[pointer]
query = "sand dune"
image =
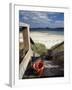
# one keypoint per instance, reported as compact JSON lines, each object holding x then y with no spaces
{"x":46,"y":38}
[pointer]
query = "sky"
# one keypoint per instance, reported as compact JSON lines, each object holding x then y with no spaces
{"x":42,"y":19}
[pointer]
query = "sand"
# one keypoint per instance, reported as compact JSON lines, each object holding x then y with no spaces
{"x":45,"y":38}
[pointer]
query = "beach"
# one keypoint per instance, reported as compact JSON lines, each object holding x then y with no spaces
{"x":47,"y":38}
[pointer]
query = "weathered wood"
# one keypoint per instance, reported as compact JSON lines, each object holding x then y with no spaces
{"x":27,"y":53}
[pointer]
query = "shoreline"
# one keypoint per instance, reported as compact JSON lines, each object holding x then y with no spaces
{"x":46,"y":38}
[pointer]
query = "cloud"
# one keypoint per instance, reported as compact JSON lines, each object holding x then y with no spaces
{"x":25,"y":18}
{"x":59,"y":23}
{"x":41,"y":19}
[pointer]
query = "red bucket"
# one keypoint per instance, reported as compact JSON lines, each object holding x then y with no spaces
{"x":38,"y":66}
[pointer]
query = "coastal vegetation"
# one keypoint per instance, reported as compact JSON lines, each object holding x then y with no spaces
{"x":39,"y":48}
{"x":55,"y":53}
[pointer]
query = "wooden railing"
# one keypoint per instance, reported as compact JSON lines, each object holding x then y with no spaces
{"x":24,"y":63}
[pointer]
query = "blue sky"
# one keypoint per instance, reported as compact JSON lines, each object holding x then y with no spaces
{"x":43,"y":19}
